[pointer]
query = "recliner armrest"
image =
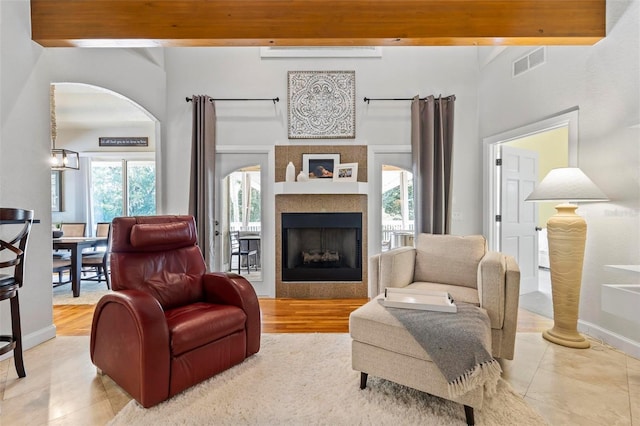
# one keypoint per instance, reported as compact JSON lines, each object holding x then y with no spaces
{"x":133,"y":344}
{"x":396,"y":267}
{"x":232,"y":289}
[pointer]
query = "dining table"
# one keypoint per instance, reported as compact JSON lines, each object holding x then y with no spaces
{"x":76,"y":245}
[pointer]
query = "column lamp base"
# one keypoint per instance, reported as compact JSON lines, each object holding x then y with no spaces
{"x":569,"y":339}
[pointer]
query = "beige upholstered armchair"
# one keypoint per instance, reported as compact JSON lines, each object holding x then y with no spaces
{"x":462,"y":266}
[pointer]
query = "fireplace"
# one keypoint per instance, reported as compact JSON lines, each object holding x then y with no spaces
{"x":321,"y":246}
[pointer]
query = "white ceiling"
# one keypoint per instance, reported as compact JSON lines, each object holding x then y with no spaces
{"x":85,"y":106}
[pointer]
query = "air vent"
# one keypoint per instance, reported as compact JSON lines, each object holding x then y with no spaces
{"x":529,"y":62}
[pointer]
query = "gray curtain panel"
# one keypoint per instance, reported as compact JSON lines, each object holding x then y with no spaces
{"x":432,"y":156}
{"x":201,"y":187}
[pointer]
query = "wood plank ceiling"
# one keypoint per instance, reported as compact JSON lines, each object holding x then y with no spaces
{"x":137,"y":23}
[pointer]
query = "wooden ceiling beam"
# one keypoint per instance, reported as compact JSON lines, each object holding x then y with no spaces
{"x":171,"y":23}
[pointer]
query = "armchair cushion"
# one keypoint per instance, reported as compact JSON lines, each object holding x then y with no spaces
{"x":171,"y":271}
{"x":162,"y":236}
{"x":197,"y":324}
{"x":449,"y":259}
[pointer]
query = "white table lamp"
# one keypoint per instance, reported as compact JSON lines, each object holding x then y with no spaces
{"x":566,"y":233}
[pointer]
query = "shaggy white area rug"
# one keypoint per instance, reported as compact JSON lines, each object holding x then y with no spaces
{"x":306,"y":379}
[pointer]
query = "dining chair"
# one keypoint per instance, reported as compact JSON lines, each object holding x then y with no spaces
{"x":15,"y":250}
{"x":246,"y":253}
{"x":60,"y":266}
{"x":97,"y":261}
{"x":78,"y":229}
{"x":102,"y":229}
{"x":70,"y":229}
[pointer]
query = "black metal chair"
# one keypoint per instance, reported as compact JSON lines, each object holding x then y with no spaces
{"x":12,"y":255}
{"x":237,"y":249}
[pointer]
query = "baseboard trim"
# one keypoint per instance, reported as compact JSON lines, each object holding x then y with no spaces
{"x":624,"y":344}
{"x":34,"y":339}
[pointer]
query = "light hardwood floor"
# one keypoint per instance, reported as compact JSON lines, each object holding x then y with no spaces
{"x":597,"y":386}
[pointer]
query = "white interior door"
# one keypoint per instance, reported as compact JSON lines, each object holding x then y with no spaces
{"x":519,"y":218}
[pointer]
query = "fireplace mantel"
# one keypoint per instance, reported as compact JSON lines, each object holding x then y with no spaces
{"x":320,"y":187}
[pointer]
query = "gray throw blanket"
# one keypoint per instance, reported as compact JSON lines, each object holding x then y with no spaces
{"x":458,"y":343}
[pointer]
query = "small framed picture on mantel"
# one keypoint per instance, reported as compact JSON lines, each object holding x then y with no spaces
{"x":319,"y":166}
{"x":346,"y":172}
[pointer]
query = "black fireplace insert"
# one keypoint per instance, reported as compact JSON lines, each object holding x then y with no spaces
{"x":321,"y":246}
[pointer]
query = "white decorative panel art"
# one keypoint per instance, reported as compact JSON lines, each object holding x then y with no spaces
{"x":321,"y":104}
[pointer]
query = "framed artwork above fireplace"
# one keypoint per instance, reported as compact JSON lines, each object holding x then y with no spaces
{"x":321,"y":104}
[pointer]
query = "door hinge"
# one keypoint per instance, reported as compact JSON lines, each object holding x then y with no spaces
{"x":498,"y":218}
{"x":498,"y":161}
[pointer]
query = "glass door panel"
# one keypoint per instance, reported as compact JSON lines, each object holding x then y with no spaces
{"x":141,"y":188}
{"x":107,"y":194}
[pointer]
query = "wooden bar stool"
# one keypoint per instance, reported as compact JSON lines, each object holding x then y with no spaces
{"x":12,"y":255}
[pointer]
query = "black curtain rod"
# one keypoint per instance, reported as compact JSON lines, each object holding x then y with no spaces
{"x":367,"y":100}
{"x":274,"y":100}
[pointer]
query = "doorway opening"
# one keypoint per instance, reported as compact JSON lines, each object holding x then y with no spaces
{"x":397,"y":207}
{"x":243,"y":195}
{"x":81,"y":116}
{"x":515,"y":161}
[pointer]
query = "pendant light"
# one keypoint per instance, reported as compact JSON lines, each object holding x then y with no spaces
{"x":61,"y":159}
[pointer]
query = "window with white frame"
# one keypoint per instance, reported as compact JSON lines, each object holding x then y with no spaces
{"x":122,"y":188}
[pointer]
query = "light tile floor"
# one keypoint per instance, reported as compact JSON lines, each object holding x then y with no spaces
{"x":596,"y":386}
{"x":540,"y":301}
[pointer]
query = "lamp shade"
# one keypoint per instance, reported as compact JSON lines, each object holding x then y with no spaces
{"x":566,"y":184}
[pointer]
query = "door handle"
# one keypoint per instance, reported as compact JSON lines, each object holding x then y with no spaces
{"x":538,"y":228}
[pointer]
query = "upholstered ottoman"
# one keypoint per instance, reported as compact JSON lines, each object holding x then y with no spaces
{"x":383,"y":347}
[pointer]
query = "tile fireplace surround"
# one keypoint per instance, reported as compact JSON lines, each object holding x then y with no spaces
{"x":320,"y":203}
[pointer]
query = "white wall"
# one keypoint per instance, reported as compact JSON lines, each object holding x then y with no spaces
{"x":26,"y":71}
{"x":604,"y":82}
{"x":25,"y":177}
{"x":400,"y":72}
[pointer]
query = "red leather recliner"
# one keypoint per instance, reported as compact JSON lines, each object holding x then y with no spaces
{"x":169,"y":324}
